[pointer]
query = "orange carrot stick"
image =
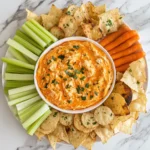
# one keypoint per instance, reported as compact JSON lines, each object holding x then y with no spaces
{"x":111,"y":37}
{"x":123,"y":68}
{"x":121,"y":39}
{"x":129,"y":58}
{"x":125,"y":45}
{"x":127,"y":51}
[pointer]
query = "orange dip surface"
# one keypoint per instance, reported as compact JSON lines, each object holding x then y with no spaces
{"x":74,"y":75}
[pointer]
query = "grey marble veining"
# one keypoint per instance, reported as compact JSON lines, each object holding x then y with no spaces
{"x":12,"y":135}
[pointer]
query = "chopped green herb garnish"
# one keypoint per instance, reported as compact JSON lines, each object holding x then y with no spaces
{"x":69,"y":73}
{"x":138,"y":82}
{"x":48,"y":62}
{"x":82,"y":78}
{"x":130,"y":70}
{"x":65,"y":79}
{"x":77,"y":71}
{"x":120,"y":17}
{"x":91,"y":96}
{"x":83,"y":98}
{"x":82,"y":70}
{"x":88,"y":123}
{"x":109,"y":23}
{"x":68,"y":12}
{"x":94,"y":123}
{"x":69,"y":101}
{"x":55,"y":114}
{"x":76,"y":46}
{"x":79,"y":89}
{"x":60,"y":76}
{"x":75,"y":76}
{"x":54,"y":82}
{"x":96,"y":93}
{"x":54,"y":58}
{"x":70,"y":67}
{"x":87,"y":85}
{"x":72,"y":129}
{"x":61,"y":57}
{"x":67,"y":86}
{"x":48,"y":74}
{"x":46,"y":85}
{"x":108,"y":30}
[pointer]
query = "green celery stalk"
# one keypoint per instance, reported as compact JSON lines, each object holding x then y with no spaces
{"x":36,"y":38}
{"x":18,"y":77}
{"x":43,"y":36}
{"x":17,"y":54}
{"x":21,"y":99}
{"x":22,"y":49}
{"x":6,"y":89}
{"x":35,"y":116}
{"x":27,"y":45}
{"x":14,"y":69}
{"x":18,"y":63}
{"x":14,"y":84}
{"x":37,"y":123}
{"x":54,"y":39}
{"x":27,"y":103}
{"x":21,"y":89}
{"x":28,"y":39}
{"x":23,"y":117}
{"x":21,"y":94}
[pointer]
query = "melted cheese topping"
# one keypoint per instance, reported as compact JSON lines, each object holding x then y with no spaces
{"x":74,"y":75}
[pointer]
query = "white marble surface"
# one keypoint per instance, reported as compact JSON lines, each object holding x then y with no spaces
{"x":12,"y":14}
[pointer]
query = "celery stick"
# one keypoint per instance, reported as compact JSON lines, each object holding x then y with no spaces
{"x":22,"y":49}
{"x":21,"y":89}
{"x":14,"y":84}
{"x":6,"y":90}
{"x":23,"y":117}
{"x":37,"y":123}
{"x":18,"y":63}
{"x":36,"y":38}
{"x":30,"y":61}
{"x":43,"y":36}
{"x":18,"y":77}
{"x":54,"y":39}
{"x":28,"y":39}
{"x":14,"y":96}
{"x":17,"y":54}
{"x":21,"y":99}
{"x":35,"y":116}
{"x":25,"y":110}
{"x":27,"y":103}
{"x":14,"y":69}
{"x":27,"y":45}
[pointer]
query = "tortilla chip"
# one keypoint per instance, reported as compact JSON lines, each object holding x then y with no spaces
{"x":138,"y":70}
{"x":104,"y":133}
{"x":88,"y":143}
{"x":139,"y":105}
{"x":52,"y":140}
{"x":89,"y":121}
{"x":123,"y":90}
{"x":103,"y":115}
{"x":129,"y":80}
{"x":93,"y":135}
{"x":68,"y":24}
{"x":61,"y":133}
{"x":50,"y":124}
{"x":31,"y":15}
{"x":76,"y":137}
{"x":79,"y":32}
{"x":92,"y":32}
{"x":110,"y":21}
{"x":71,"y":10}
{"x":78,"y":124}
{"x":119,"y":75}
{"x":39,"y":134}
{"x":66,"y":119}
{"x":57,"y":32}
{"x":100,"y":9}
{"x":117,"y":104}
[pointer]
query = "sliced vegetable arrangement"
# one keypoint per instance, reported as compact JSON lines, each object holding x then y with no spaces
{"x":26,"y":47}
{"x":120,"y":110}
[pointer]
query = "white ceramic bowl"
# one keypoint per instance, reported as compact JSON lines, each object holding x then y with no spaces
{"x":85,"y":109}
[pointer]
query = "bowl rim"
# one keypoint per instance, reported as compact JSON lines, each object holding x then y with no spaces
{"x":77,"y":38}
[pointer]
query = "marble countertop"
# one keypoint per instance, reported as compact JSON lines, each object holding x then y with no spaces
{"x":12,"y":135}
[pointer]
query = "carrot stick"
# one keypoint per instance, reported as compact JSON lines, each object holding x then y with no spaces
{"x":121,"y":39}
{"x":123,"y":68}
{"x":125,"y":45}
{"x":128,"y":59}
{"x":127,"y":51}
{"x":111,"y":37}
